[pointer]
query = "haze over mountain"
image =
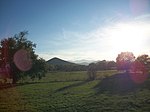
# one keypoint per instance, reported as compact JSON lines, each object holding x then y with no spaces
{"x":84,"y":62}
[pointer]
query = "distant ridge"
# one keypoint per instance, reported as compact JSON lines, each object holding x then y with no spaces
{"x":58,"y":61}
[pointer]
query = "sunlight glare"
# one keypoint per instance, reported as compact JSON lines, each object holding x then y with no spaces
{"x":129,"y":36}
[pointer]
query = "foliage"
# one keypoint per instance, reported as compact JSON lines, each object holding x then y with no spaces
{"x":144,"y":59}
{"x":101,"y":65}
{"x":124,"y":60}
{"x":66,"y":68}
{"x":15,"y":43}
{"x":105,"y":65}
{"x":38,"y":70}
{"x":142,"y":63}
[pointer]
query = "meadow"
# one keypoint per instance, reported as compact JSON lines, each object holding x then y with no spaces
{"x":73,"y":92}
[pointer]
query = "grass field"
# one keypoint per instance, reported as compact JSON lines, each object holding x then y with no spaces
{"x":72,"y":92}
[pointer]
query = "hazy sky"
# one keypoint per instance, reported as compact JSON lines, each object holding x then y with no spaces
{"x":79,"y":29}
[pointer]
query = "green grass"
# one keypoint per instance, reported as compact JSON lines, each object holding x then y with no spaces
{"x":70,"y":92}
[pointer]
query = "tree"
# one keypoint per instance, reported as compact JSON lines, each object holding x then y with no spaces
{"x":92,"y":71}
{"x":124,"y":60}
{"x":101,"y":65}
{"x":143,"y":59}
{"x":14,"y":45}
{"x":111,"y":65}
{"x":142,"y":63}
{"x":39,"y":69}
{"x":105,"y":65}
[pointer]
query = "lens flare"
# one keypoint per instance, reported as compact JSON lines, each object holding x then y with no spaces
{"x":139,"y":7}
{"x":138,"y":78}
{"x":139,"y":73}
{"x":22,"y":60}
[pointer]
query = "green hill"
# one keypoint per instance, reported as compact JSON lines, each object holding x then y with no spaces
{"x":56,"y":64}
{"x":58,"y":61}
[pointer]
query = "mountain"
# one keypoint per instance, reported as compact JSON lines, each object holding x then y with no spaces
{"x":57,"y":64}
{"x":58,"y":61}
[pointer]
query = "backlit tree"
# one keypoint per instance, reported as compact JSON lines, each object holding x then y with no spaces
{"x":124,"y":60}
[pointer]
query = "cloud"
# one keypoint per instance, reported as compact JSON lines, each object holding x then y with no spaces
{"x":99,"y":43}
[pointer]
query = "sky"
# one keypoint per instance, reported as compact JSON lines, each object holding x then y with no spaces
{"x":79,"y":29}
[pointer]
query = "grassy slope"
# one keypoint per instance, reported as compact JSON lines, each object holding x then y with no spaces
{"x":70,"y":92}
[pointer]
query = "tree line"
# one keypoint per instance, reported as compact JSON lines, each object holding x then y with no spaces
{"x":125,"y":61}
{"x":128,"y":62}
{"x":100,"y":65}
{"x":11,"y":45}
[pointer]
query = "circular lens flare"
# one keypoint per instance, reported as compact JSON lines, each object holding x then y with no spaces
{"x":22,"y":60}
{"x":138,"y":78}
{"x":139,"y":73}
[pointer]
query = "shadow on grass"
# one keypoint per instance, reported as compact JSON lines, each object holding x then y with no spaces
{"x":40,"y":82}
{"x":121,"y":83}
{"x":6,"y":86}
{"x":72,"y":85}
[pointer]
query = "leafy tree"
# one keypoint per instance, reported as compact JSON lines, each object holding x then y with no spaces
{"x":39,"y":69}
{"x":124,"y":60}
{"x":92,"y":71}
{"x":111,"y":65}
{"x":16,"y":43}
{"x":143,"y":59}
{"x":142,"y":63}
{"x":101,"y":65}
{"x":105,"y":65}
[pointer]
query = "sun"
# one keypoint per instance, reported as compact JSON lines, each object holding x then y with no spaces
{"x":128,"y":36}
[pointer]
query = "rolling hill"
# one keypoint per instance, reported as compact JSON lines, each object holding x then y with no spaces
{"x":58,"y":61}
{"x":57,"y":64}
